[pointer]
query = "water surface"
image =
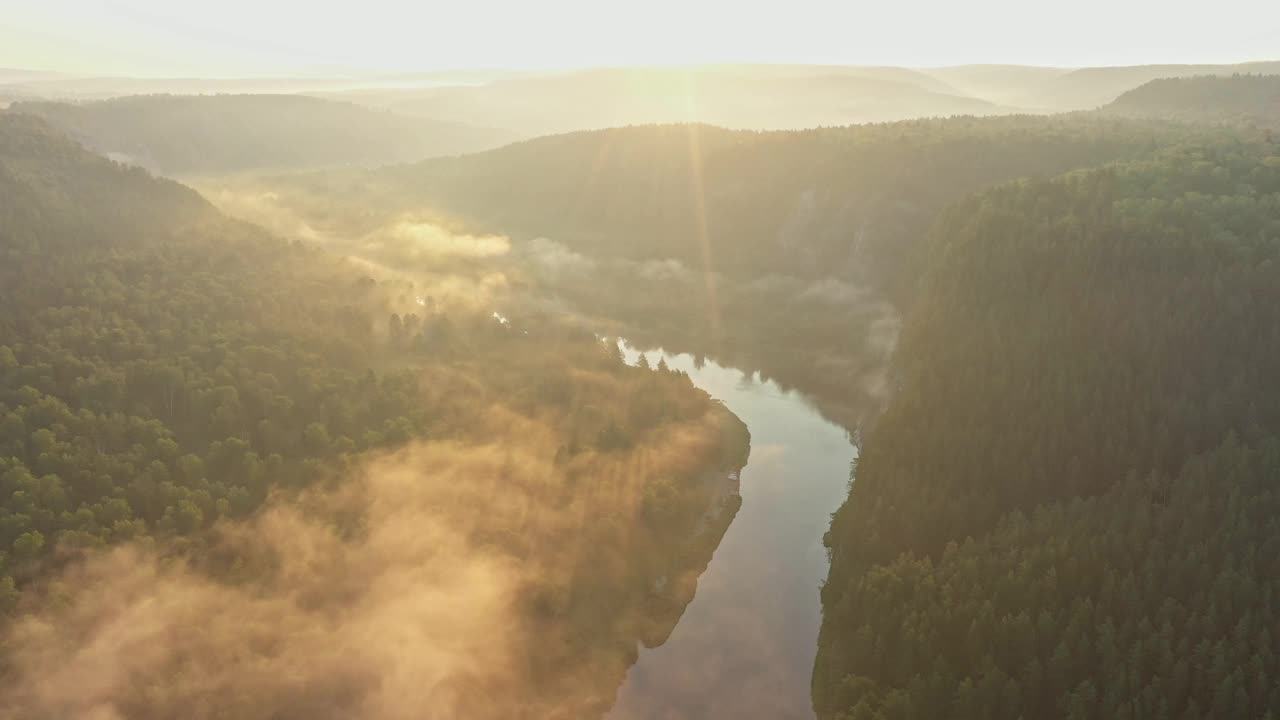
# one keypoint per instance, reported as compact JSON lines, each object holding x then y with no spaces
{"x":745,"y":645}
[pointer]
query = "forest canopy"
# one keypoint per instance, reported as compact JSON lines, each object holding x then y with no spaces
{"x":173,"y":381}
{"x":1068,"y":509}
{"x":791,"y":253}
{"x":1248,"y":99}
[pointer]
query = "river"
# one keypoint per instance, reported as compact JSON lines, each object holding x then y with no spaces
{"x":745,"y":645}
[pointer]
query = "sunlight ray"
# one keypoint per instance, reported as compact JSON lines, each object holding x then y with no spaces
{"x":701,"y":233}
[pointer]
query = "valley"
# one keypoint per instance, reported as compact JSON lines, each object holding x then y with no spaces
{"x":745,"y":645}
{"x":344,"y":402}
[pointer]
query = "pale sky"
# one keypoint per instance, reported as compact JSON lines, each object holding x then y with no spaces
{"x":274,"y":37}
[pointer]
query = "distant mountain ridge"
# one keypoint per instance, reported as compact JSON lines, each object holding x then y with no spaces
{"x":738,"y":96}
{"x":1048,"y":89}
{"x":415,"y":115}
{"x":656,"y":192}
{"x":1088,"y":88}
{"x":734,"y":96}
{"x":64,"y":86}
{"x":232,"y":133}
{"x":774,"y":97}
{"x":1239,"y":99}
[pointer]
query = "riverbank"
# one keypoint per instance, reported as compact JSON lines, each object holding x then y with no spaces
{"x":744,"y":645}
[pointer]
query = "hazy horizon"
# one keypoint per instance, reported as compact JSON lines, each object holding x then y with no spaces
{"x":149,"y":38}
{"x":356,"y":74}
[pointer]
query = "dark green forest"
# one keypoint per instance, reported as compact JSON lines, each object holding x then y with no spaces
{"x":1065,"y":509}
{"x":166,"y":371}
{"x":1030,"y":532}
{"x":1069,"y":508}
{"x":842,"y":200}
{"x":159,"y":369}
{"x":765,"y":250}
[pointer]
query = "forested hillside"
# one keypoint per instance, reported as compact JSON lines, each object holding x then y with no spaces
{"x":194,"y":134}
{"x":1234,"y":100}
{"x":1092,"y":87}
{"x":172,"y":381}
{"x":1069,"y":508}
{"x":773,"y":251}
{"x":158,"y":371}
{"x":810,"y":203}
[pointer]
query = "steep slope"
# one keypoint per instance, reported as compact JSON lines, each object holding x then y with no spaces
{"x":774,"y":251}
{"x":1068,"y":509}
{"x":836,"y":201}
{"x":129,"y":299}
{"x":227,"y":133}
{"x":230,"y":463}
{"x":1234,"y":100}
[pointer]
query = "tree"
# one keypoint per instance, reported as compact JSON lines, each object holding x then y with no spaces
{"x":316,"y":438}
{"x":395,"y":330}
{"x":27,"y":547}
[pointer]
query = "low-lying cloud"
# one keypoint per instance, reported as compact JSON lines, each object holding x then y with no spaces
{"x":436,"y":581}
{"x":406,"y":617}
{"x":555,"y":258}
{"x":423,"y":239}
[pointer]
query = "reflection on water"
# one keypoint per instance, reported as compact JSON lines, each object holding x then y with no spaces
{"x":744,"y":647}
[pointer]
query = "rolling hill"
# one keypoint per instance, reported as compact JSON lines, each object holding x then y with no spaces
{"x":194,"y":134}
{"x":770,"y":248}
{"x":1088,"y":88}
{"x":1012,"y":85}
{"x":735,"y":96}
{"x":1239,"y":99}
{"x":1046,"y":89}
{"x":813,"y":202}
